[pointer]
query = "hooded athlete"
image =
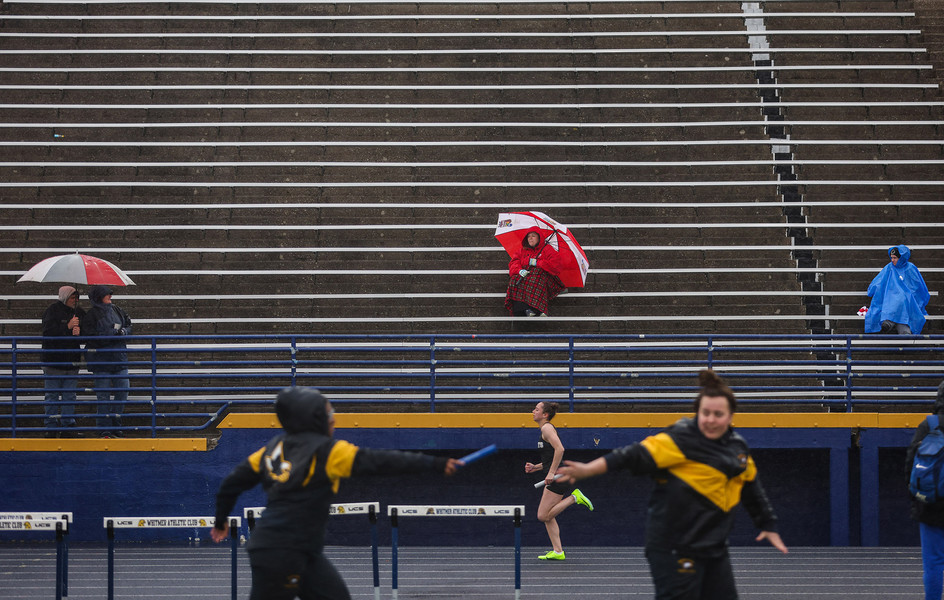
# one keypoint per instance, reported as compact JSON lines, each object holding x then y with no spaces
{"x":300,"y":471}
{"x":899,"y":296}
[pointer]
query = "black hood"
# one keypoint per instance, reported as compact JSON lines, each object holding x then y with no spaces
{"x":97,"y":292}
{"x":302,"y":409}
{"x":939,"y":402}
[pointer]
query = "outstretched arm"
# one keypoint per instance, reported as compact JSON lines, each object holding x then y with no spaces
{"x":367,"y":461}
{"x":634,"y":457}
{"x":573,"y":471}
{"x":244,"y":477}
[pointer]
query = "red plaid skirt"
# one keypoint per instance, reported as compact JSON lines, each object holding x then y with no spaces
{"x":535,"y":290}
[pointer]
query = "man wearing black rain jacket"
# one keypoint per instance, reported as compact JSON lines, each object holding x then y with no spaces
{"x":300,"y":471}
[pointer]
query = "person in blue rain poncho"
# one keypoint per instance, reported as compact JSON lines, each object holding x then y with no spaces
{"x":899,"y":296}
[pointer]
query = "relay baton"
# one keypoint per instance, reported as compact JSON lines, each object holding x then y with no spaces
{"x":541,"y":483}
{"x":471,"y":458}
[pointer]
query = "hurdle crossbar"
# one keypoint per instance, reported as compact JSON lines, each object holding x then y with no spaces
{"x":58,"y":522}
{"x":371,"y":509}
{"x":424,"y":510}
{"x":113,"y":523}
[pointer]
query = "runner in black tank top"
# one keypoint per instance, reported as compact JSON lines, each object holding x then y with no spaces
{"x":555,"y":497}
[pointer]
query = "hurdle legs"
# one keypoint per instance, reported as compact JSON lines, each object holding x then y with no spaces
{"x":46,"y":522}
{"x":349,"y":508}
{"x":110,"y":527}
{"x":65,"y":556}
{"x":395,"y":512}
{"x":372,"y":514}
{"x":60,"y":583}
{"x":234,"y":536}
{"x":393,"y":552}
{"x":112,"y":523}
{"x":517,"y":553}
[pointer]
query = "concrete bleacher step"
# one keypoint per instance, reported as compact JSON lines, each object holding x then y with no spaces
{"x":663,"y":74}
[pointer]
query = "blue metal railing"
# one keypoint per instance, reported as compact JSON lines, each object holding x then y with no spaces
{"x":187,"y":383}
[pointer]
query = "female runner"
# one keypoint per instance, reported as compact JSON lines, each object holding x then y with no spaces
{"x":556,"y":496}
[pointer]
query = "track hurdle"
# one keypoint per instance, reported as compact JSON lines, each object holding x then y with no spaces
{"x":57,"y":522}
{"x":394,"y":512}
{"x":355,"y":508}
{"x":113,"y":523}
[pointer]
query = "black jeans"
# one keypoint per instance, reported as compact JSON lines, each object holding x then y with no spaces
{"x":680,"y":577}
{"x":279,"y":574}
{"x":520,"y":309}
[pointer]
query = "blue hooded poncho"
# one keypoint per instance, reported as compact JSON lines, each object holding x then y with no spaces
{"x":898,"y":294}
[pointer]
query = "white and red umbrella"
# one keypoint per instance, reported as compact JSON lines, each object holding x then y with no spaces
{"x":76,"y":268}
{"x":512,"y":227}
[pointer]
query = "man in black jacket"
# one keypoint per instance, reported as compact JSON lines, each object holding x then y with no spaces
{"x":300,"y":471}
{"x":930,"y":517}
{"x":61,"y":358}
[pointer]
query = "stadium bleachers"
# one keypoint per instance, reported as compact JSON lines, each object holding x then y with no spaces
{"x":340,"y":167}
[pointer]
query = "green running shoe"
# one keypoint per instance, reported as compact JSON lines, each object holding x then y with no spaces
{"x":581,"y":499}
{"x":551,"y":555}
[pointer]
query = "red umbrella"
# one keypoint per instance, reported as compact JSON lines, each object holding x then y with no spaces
{"x":512,"y":227}
{"x":76,"y":268}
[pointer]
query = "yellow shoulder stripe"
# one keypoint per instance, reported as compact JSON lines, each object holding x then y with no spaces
{"x":663,"y":449}
{"x":255,"y":459}
{"x":340,"y":462}
{"x":706,"y":480}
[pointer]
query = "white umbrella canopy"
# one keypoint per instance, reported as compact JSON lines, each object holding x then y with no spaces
{"x":76,"y":268}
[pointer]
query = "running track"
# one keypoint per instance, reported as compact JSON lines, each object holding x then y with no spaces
{"x":162,"y":572}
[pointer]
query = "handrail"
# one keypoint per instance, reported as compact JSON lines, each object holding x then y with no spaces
{"x":183,"y":384}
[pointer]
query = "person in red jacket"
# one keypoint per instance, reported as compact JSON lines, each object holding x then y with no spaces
{"x":534,"y":274}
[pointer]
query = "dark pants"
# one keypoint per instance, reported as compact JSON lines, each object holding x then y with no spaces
{"x":280,"y":574}
{"x":680,"y":577}
{"x":60,"y":383}
{"x":893,"y":327}
{"x":111,"y":391}
{"x":520,"y":309}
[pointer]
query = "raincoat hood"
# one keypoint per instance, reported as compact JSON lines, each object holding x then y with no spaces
{"x":904,"y":253}
{"x":97,"y":292}
{"x":302,"y":409}
{"x":537,"y":230}
{"x":65,"y":292}
{"x":899,"y":294}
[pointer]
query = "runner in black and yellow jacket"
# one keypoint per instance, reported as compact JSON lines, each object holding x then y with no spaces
{"x":300,"y":471}
{"x":703,"y":470}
